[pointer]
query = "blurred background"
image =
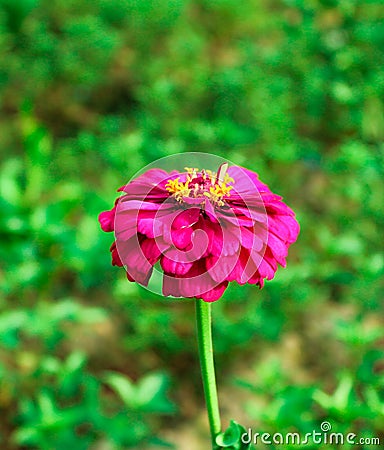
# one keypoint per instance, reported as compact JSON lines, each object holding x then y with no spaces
{"x":90,"y":92}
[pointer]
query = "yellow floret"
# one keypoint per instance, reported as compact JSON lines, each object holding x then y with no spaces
{"x":228,"y":179}
{"x":179,"y":190}
{"x":217,"y":192}
{"x":191,"y":169}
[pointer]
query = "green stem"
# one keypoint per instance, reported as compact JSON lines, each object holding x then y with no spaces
{"x":204,"y":337}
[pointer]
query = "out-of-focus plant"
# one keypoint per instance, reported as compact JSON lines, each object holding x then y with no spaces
{"x":90,"y":92}
{"x":72,"y":410}
{"x":58,"y":402}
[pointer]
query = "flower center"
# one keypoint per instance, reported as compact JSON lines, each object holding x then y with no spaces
{"x":202,"y":184}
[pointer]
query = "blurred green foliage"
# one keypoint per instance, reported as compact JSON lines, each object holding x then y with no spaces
{"x":90,"y":92}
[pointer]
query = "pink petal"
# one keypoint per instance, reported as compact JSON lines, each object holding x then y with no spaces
{"x":215,"y":293}
{"x":246,"y":181}
{"x":175,"y":267}
{"x":278,"y":208}
{"x":127,"y":206}
{"x":278,"y":248}
{"x":151,"y":183}
{"x":171,"y":286}
{"x":244,"y":268}
{"x":150,"y":227}
{"x":182,"y":238}
{"x":286,"y":227}
{"x":219,"y":268}
{"x":116,"y":261}
{"x":256,"y":214}
{"x":107,"y":219}
{"x":267,"y":268}
{"x":222,"y":239}
{"x":186,"y":218}
{"x":251,"y":240}
{"x":196,"y":281}
{"x":151,"y":250}
{"x":138,"y":255}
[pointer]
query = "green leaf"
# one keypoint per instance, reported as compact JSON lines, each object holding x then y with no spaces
{"x":151,"y":394}
{"x":123,"y":387}
{"x":231,"y":438}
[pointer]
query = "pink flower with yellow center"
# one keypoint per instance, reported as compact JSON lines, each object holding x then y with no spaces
{"x":204,"y":228}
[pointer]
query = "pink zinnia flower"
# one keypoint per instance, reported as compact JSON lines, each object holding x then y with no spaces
{"x":204,"y":228}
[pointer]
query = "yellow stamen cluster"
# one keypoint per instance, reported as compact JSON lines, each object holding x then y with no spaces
{"x":192,"y":170}
{"x":215,"y":191}
{"x":177,"y":189}
{"x":209,"y":175}
{"x":228,"y":179}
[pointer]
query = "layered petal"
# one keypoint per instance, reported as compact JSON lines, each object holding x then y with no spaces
{"x":205,"y":229}
{"x":107,"y":219}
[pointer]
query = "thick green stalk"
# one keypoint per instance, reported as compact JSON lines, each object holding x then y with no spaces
{"x":204,"y":337}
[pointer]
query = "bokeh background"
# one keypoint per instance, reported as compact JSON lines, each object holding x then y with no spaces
{"x":90,"y":92}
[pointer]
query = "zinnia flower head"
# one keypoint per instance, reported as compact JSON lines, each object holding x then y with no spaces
{"x":204,"y":228}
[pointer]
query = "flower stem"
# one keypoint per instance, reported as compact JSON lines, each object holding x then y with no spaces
{"x":204,"y":338}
